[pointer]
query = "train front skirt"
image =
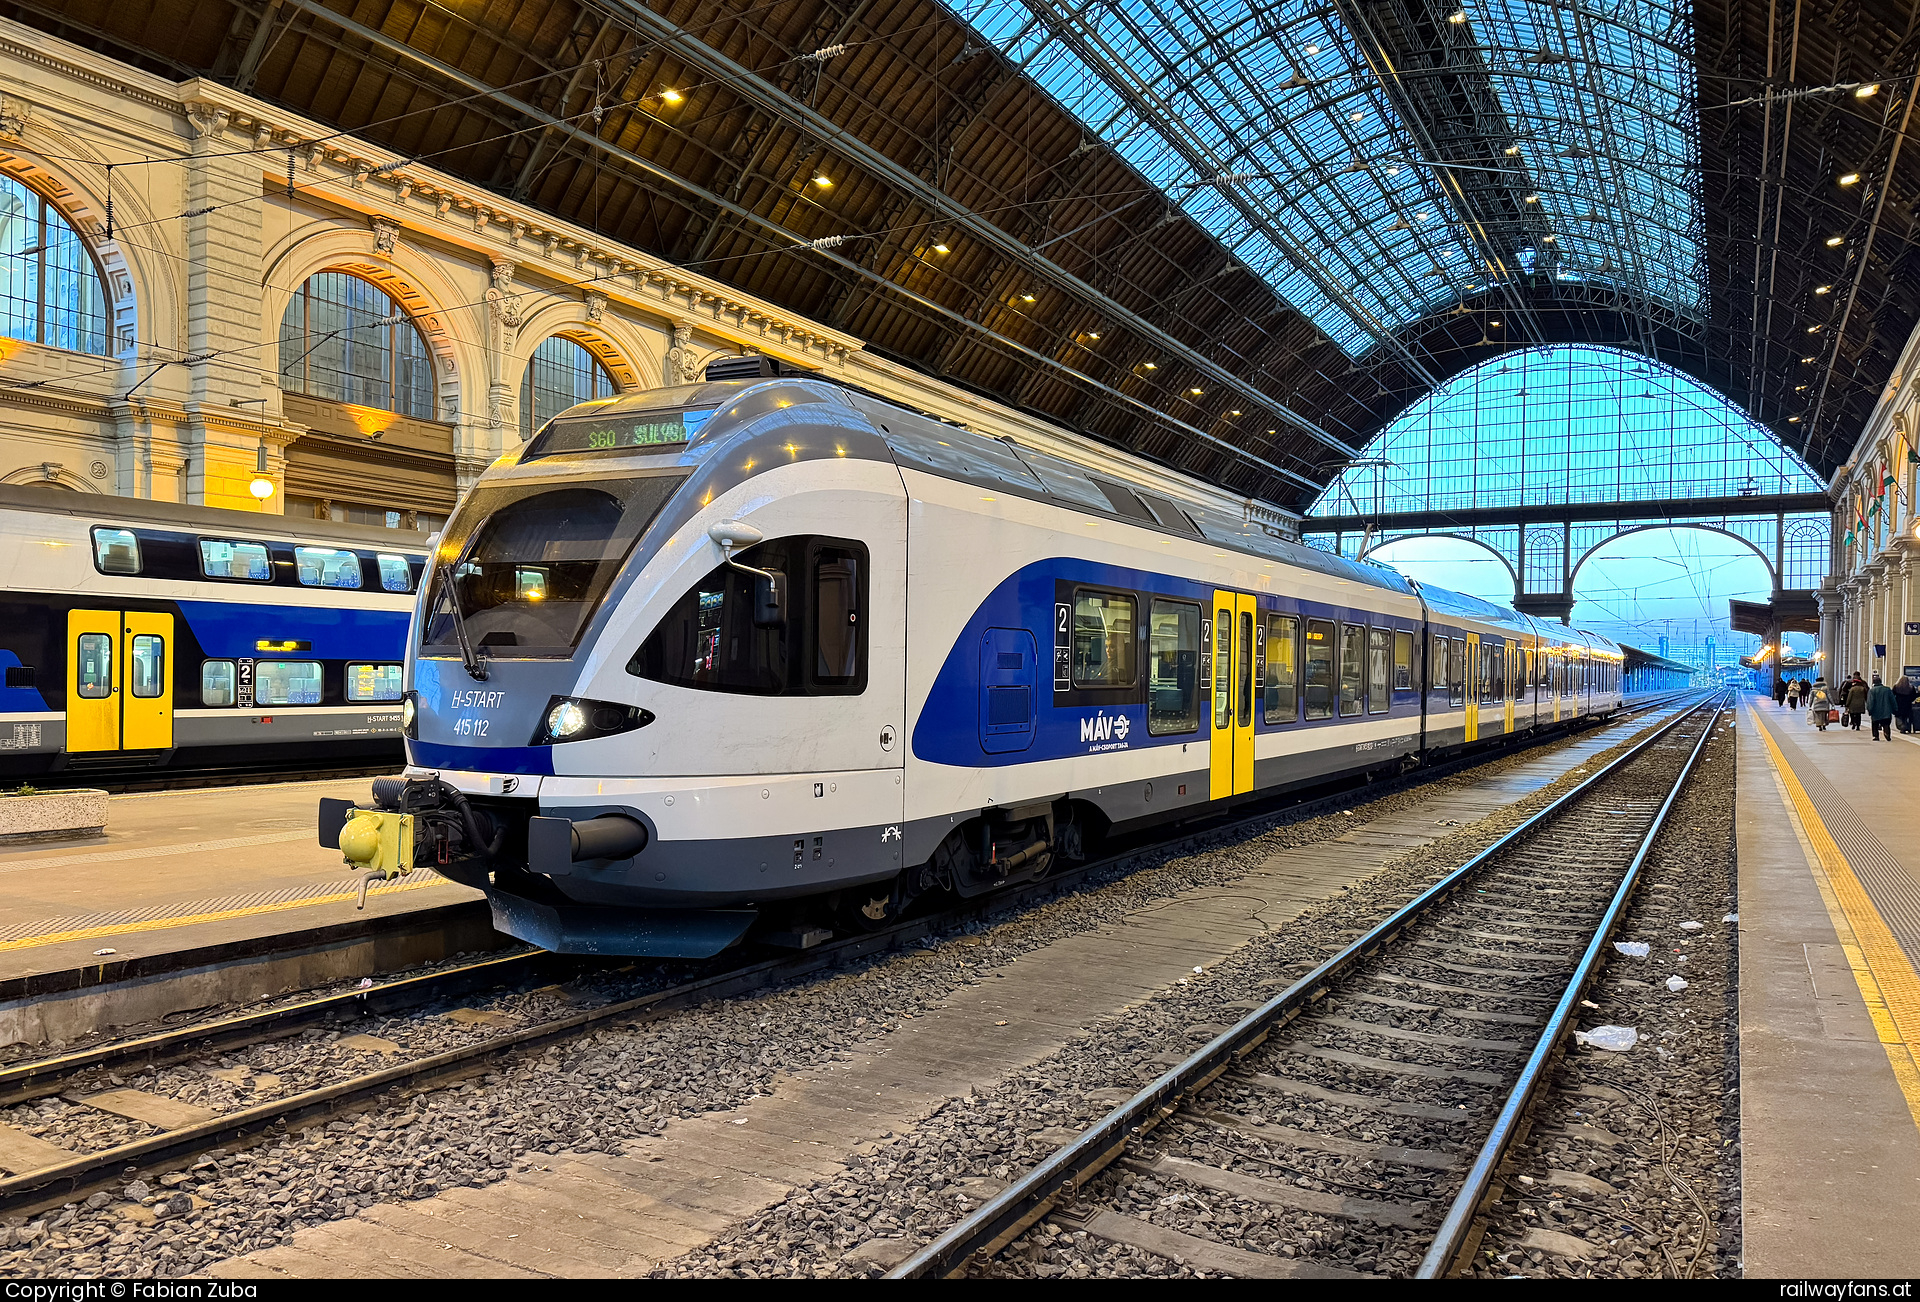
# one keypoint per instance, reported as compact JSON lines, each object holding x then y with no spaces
{"x":613,"y":932}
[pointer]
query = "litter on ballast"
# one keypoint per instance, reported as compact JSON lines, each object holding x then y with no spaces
{"x":1731,"y":917}
{"x":102,"y":953}
{"x":1615,"y":1039}
{"x":1632,"y":948}
{"x":1692,"y":926}
{"x":1677,"y":983}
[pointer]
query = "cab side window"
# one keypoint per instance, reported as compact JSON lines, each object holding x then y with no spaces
{"x":789,"y":618}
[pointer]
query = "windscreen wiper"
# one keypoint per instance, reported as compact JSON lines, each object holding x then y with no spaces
{"x":469,"y":655}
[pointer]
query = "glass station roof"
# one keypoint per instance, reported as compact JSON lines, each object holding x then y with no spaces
{"x":1310,"y":155}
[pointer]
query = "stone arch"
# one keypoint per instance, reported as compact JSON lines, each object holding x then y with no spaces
{"x":614,"y":342}
{"x":49,"y":474}
{"x":412,"y":279}
{"x":59,"y":185}
{"x":1574,"y":574}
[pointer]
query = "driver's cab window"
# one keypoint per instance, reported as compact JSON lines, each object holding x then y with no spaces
{"x":787,"y":618}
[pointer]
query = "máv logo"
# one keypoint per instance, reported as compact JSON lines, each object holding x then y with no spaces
{"x":1104,"y":727}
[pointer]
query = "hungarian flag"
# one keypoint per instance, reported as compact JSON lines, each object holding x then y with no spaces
{"x":1847,"y":538}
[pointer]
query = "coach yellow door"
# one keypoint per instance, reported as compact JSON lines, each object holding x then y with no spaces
{"x":146,"y":678}
{"x":1472,"y":694}
{"x":1230,"y":763}
{"x":93,"y":681}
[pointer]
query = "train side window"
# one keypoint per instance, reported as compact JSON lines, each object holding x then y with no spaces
{"x":223,"y":559}
{"x":116,"y":551}
{"x":1379,"y":670}
{"x":1457,"y":680}
{"x":326,"y":567}
{"x":1497,"y":670}
{"x":837,"y":587}
{"x":1222,"y":668}
{"x":1281,"y":685}
{"x":1353,"y":668}
{"x":1319,"y":681}
{"x":395,"y":574}
{"x":1243,"y":664}
{"x":1103,"y":643}
{"x":149,"y":667}
{"x":216,"y":684}
{"x":1439,"y":665}
{"x":1403,"y":662}
{"x":373,"y":682}
{"x":93,"y":667}
{"x":1173,"y":667}
{"x":286,"y":682}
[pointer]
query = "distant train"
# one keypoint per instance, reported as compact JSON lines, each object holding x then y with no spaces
{"x":692,"y":653}
{"x":139,"y":635}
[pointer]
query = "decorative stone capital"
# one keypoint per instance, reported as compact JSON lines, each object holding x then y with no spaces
{"x":386,"y":237}
{"x":597,"y":308}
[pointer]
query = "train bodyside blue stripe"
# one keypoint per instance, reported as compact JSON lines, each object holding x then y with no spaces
{"x":230,"y":629}
{"x":536,"y":760}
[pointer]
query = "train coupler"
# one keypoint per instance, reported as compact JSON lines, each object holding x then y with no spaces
{"x":379,"y":841}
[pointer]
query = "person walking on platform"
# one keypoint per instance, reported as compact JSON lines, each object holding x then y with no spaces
{"x":1856,"y":701}
{"x":1779,"y":692}
{"x":1903,"y":694}
{"x":1793,"y":693}
{"x":1880,"y":703}
{"x":1822,"y":705}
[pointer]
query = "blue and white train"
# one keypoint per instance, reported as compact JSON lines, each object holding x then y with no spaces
{"x":139,"y":635}
{"x":694,"y":654}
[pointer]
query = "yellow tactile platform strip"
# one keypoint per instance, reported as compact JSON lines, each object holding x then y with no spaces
{"x":1881,"y":967}
{"x":161,"y":917}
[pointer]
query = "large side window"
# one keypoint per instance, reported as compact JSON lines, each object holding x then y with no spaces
{"x":222,"y":559}
{"x":326,"y":567}
{"x":286,"y":682}
{"x":1319,"y":682}
{"x":1103,"y":647}
{"x":1403,"y":662}
{"x":1497,"y":669}
{"x":789,"y":619}
{"x":1353,"y":668}
{"x":373,"y":683}
{"x":1379,"y":670}
{"x":1281,"y":686}
{"x":395,"y":575}
{"x":1439,"y":665}
{"x":1173,"y":666}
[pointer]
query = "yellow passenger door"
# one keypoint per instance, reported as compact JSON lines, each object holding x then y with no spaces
{"x":146,"y":677}
{"x":1230,"y":763}
{"x":119,"y":681}
{"x":1472,"y":693}
{"x":93,"y":696}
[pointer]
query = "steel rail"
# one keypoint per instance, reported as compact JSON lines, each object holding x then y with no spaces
{"x":1010,"y":1213}
{"x":1454,"y":1237}
{"x":38,"y":1079}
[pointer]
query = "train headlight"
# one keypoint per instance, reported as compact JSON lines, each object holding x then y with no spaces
{"x":408,"y":712}
{"x":569,"y":718}
{"x":566,"y":719}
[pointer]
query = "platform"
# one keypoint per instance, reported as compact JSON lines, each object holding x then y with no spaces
{"x":1829,"y":998}
{"x":217,"y":870}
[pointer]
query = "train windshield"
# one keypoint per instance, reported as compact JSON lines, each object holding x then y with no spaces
{"x":532,"y":562}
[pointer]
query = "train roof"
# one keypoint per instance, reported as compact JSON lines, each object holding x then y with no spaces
{"x":203,"y":519}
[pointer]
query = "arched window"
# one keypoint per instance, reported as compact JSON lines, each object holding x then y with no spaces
{"x":344,"y":338}
{"x":50,"y":288}
{"x":560,"y":374}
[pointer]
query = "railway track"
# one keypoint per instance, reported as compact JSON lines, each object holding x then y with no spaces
{"x":1404,"y":1065}
{"x":584,"y":995}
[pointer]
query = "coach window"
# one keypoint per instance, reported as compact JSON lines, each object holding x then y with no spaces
{"x":93,"y":667}
{"x":395,"y":576}
{"x":1457,"y":679}
{"x":1353,"y":668}
{"x":1497,"y":670}
{"x":1281,"y":685}
{"x":1439,"y":665}
{"x":1103,"y":648}
{"x":235,"y":560}
{"x":116,"y":551}
{"x":1379,"y":670}
{"x":1403,"y":662}
{"x":216,"y":684}
{"x":373,"y":683}
{"x":1319,"y":682}
{"x":1173,"y":665}
{"x":326,"y":567}
{"x":286,"y":682}
{"x":148,"y":666}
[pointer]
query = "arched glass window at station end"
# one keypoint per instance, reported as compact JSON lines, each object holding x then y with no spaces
{"x":346,"y":339}
{"x":560,"y":374}
{"x":50,"y":287}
